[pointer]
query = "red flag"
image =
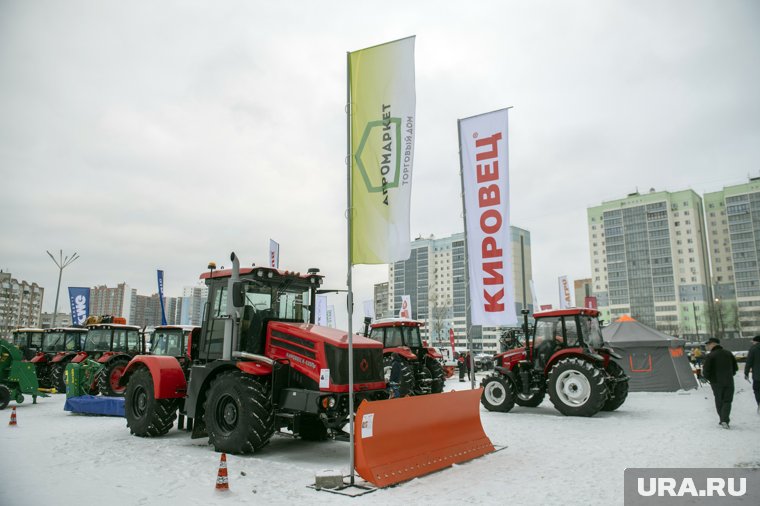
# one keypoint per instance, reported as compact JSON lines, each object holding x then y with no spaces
{"x":451,"y":340}
{"x":590,"y":302}
{"x":546,"y":307}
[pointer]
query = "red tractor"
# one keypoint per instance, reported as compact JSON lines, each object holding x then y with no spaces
{"x":111,"y":344}
{"x":259,"y":365}
{"x":421,"y":368}
{"x":565,"y":354}
{"x":59,"y":347}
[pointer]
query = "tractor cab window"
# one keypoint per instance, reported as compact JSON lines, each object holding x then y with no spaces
{"x":53,"y":342}
{"x":19,"y":339}
{"x":571,"y":332}
{"x":376,"y":334}
{"x":591,"y":332}
{"x":120,"y":340}
{"x":294,"y":306}
{"x":98,"y":339}
{"x":393,"y":337}
{"x":36,"y":341}
{"x":169,"y":343}
{"x":71,"y":340}
{"x":547,"y":330}
{"x":412,"y":337}
{"x":133,"y":341}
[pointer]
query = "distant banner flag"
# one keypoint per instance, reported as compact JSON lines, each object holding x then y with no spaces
{"x":161,"y":295}
{"x":590,"y":302}
{"x":533,"y":294}
{"x":321,"y":310}
{"x":274,"y":254}
{"x":546,"y":307}
{"x":79,"y":299}
{"x":565,"y":296}
{"x":369,"y":309}
{"x":331,"y":316}
{"x":382,"y":97}
{"x":483,"y":150}
{"x":406,"y":307}
{"x":451,"y":340}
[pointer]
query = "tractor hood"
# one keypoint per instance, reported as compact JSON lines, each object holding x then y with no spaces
{"x":329,"y":335}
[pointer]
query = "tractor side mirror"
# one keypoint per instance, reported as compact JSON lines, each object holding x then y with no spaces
{"x":238,"y":294}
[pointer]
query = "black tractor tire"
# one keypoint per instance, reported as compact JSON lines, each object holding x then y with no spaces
{"x":436,"y":372}
{"x":577,"y":387}
{"x":407,"y":384}
{"x":311,"y":428}
{"x":238,"y":413}
{"x":42,"y":371}
{"x":532,"y":400}
{"x":5,"y":396}
{"x":498,"y":393}
{"x":109,"y":378}
{"x":423,"y":380}
{"x":146,"y":415}
{"x":58,"y":376}
{"x":619,"y":390}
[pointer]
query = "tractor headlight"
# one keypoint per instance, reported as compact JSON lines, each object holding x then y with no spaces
{"x":328,"y":402}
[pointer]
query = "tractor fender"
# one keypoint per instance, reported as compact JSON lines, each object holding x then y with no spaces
{"x":255,"y":368}
{"x":403,"y":351}
{"x":107,"y":356}
{"x":39,"y":358}
{"x":80,"y":357}
{"x":507,"y":374}
{"x":63,"y":355}
{"x":434,"y":354}
{"x":168,"y":377}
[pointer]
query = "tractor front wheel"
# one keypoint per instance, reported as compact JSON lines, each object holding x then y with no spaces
{"x":618,"y":389}
{"x":5,"y":396}
{"x":238,"y":413}
{"x":498,"y":393}
{"x":436,"y":371}
{"x":406,"y":382}
{"x":577,"y":387}
{"x":108,"y":383}
{"x":146,"y":415}
{"x":58,"y":376}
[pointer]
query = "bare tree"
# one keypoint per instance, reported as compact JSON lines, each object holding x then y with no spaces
{"x":440,"y":311}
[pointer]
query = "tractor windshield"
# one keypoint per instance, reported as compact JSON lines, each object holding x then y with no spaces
{"x":402,"y":336}
{"x":591,"y":332}
{"x":169,"y":342}
{"x":53,"y":342}
{"x":285,"y":302}
{"x":75,"y":341}
{"x":98,"y":340}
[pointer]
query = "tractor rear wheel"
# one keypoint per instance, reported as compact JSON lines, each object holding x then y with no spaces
{"x":42,"y":370}
{"x":238,"y":413}
{"x":619,"y":389}
{"x":498,"y":393}
{"x":58,"y":376}
{"x":577,"y":387}
{"x":531,"y":400}
{"x":108,"y":383}
{"x":146,"y":415}
{"x":436,"y":372}
{"x":406,"y":383}
{"x":5,"y":396}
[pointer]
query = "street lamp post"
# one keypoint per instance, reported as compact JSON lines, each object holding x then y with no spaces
{"x":61,"y":263}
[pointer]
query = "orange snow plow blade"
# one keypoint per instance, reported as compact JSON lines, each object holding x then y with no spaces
{"x":399,"y":439}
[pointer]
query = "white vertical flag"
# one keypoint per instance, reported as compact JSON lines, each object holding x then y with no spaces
{"x":369,"y":309}
{"x":535,"y":297}
{"x":321,"y":316}
{"x":485,"y":186}
{"x":274,"y":254}
{"x":331,"y":316}
{"x":406,"y":307}
{"x":565,"y":296}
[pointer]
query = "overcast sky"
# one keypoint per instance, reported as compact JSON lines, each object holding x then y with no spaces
{"x":147,"y":135}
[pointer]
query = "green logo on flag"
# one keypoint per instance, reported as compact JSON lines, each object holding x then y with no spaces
{"x":378,"y":156}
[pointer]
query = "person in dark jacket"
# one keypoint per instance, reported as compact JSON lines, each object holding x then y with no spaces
{"x":719,"y":369}
{"x":753,"y":366}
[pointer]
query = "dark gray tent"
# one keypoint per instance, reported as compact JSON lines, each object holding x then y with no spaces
{"x":654,"y":361}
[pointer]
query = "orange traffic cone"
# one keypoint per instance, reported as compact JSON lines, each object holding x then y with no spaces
{"x":12,"y":423}
{"x":221,"y":476}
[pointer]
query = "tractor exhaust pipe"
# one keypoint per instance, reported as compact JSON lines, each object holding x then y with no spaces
{"x":231,"y":324}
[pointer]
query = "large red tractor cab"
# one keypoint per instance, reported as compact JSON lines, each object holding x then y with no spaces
{"x":175,"y":341}
{"x":565,"y":355}
{"x":112,"y":344}
{"x":28,"y":341}
{"x":421,"y":371}
{"x":59,"y":347}
{"x":260,"y":365}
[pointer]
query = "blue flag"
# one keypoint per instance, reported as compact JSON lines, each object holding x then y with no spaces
{"x":161,"y":295}
{"x":79,"y":298}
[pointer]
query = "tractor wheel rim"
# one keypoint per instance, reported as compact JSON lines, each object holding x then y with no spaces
{"x":495,"y":393}
{"x":116,"y":374}
{"x":573,"y":388}
{"x":140,"y":402}
{"x":227,"y":414}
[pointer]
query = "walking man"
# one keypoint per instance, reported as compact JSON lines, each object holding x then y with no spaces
{"x":720,"y":368}
{"x":753,"y":366}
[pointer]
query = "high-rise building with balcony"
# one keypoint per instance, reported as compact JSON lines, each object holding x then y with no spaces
{"x":649,"y":259}
{"x":20,"y":304}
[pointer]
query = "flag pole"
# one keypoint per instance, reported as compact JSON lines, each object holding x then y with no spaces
{"x":349,"y":283}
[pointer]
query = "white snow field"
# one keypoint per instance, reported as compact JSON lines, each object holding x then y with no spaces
{"x":56,"y":458}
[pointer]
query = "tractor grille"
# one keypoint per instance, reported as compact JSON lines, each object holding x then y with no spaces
{"x":368,"y":365}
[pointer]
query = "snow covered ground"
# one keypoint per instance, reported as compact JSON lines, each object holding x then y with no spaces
{"x":56,"y":458}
